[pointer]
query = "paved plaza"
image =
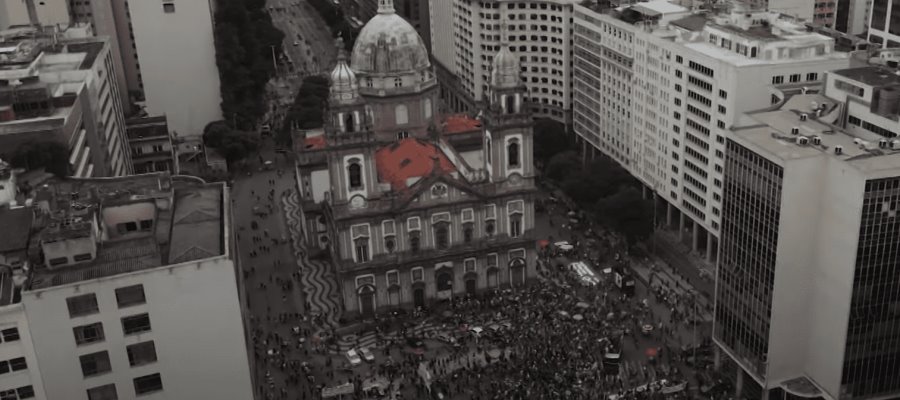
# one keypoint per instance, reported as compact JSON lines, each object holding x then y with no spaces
{"x":299,"y":345}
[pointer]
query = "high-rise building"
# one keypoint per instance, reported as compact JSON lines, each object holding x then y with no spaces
{"x":63,"y":91}
{"x":151,"y":145}
{"x":417,"y":206}
{"x":850,"y":16}
{"x":657,"y":88}
{"x":538,"y":33}
{"x":130,"y":289}
{"x":807,"y":294}
{"x":882,"y":18}
{"x":44,"y":13}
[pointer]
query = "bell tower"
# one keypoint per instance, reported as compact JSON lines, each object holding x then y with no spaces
{"x":508,"y":137}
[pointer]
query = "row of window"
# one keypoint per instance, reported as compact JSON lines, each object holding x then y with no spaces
{"x":417,"y":274}
{"x":86,"y":304}
{"x":98,"y":362}
{"x":142,"y":385}
{"x":24,"y":392}
{"x":93,"y":333}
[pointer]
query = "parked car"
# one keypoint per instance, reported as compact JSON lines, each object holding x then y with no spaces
{"x":353,"y":357}
{"x":366,"y":354}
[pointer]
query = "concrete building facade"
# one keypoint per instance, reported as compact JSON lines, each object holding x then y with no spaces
{"x":657,"y":88}
{"x":468,"y":34}
{"x":807,"y":259}
{"x":65,"y":92}
{"x":134,"y":294}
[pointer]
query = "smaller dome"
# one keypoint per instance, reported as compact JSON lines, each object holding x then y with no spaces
{"x":344,"y":86}
{"x":505,"y":70}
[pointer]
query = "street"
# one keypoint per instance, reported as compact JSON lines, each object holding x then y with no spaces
{"x":307,"y":40}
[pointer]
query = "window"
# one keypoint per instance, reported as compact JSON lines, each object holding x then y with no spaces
{"x":393,"y":278}
{"x":86,"y":334}
{"x":401,"y":115}
{"x":95,"y":363}
{"x":439,"y":191}
{"x":354,"y":172}
{"x":130,"y":296}
{"x":148,"y":383}
{"x":398,"y":82}
{"x":777,"y":80}
{"x":512,"y":153}
{"x":85,"y":304}
{"x":362,"y":249}
{"x":25,"y":392}
{"x":141,"y":353}
{"x":469,"y":265}
{"x":10,"y":334}
{"x":105,"y":392}
{"x":136,"y":324}
{"x":146,"y":224}
{"x":794,"y":78}
{"x":18,"y":364}
{"x":414,"y":241}
{"x":389,"y":231}
{"x":402,"y":135}
{"x":723,"y":94}
{"x":442,"y":236}
{"x":812,"y":76}
{"x":418,"y":274}
{"x":169,"y":8}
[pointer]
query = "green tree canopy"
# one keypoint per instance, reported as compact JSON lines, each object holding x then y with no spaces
{"x":233,"y":144}
{"x":550,"y":139}
{"x":628,"y":213}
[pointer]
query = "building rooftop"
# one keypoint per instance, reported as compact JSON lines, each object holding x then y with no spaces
{"x":872,"y":76}
{"x":460,"y":123}
{"x":147,"y":128}
{"x":410,"y":158}
{"x":186,"y":222}
{"x":15,"y":228}
{"x":774,"y":133}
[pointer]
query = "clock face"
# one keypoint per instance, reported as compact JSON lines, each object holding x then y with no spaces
{"x":357,"y":202}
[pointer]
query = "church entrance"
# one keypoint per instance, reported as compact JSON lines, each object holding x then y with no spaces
{"x":444,"y":276}
{"x":419,"y":297}
{"x":517,"y":272}
{"x":470,"y":285}
{"x":366,"y":296}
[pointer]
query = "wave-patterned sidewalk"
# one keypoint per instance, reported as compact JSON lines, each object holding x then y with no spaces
{"x":316,"y":277}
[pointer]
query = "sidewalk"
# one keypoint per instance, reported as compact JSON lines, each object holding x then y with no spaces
{"x":665,"y":276}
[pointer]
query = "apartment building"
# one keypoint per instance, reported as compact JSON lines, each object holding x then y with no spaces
{"x":134,"y":293}
{"x":538,"y":33}
{"x":63,"y":91}
{"x":657,"y":88}
{"x":807,"y":293}
{"x":151,"y":145}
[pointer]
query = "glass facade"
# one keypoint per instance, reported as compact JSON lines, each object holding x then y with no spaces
{"x":749,"y":239}
{"x":879,"y":14}
{"x":872,"y":356}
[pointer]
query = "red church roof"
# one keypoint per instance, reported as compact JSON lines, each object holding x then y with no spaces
{"x":460,"y":123}
{"x":409,"y":158}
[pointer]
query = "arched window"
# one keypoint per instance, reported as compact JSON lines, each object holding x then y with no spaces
{"x":349,"y":123}
{"x":442,"y":236}
{"x":490,"y":156}
{"x":355,"y":175}
{"x":427,"y":108}
{"x":512,"y":153}
{"x":401,"y":114}
{"x":510,"y":104}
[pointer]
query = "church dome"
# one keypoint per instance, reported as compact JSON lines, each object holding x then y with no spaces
{"x":505,"y":70}
{"x":388,"y":45}
{"x":344,"y":86}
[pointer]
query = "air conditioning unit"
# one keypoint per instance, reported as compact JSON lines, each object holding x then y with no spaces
{"x":817,"y":140}
{"x":838,"y":150}
{"x":804,"y":116}
{"x":882,"y":144}
{"x":802,"y":140}
{"x":795,"y":131}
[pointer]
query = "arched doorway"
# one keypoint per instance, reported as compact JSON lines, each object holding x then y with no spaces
{"x":366,"y":295}
{"x":471,"y":280}
{"x":419,"y":296}
{"x":517,"y":272}
{"x":444,"y":276}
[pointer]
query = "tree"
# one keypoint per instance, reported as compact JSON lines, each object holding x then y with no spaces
{"x":549,"y":140}
{"x":628,"y":213}
{"x":308,"y":110}
{"x":233,"y":144}
{"x":53,"y":157}
{"x":563,"y":164}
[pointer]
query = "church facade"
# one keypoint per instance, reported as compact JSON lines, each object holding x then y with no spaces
{"x":415,"y":206}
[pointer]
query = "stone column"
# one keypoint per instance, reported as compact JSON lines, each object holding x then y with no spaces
{"x":695,"y":241}
{"x":709,"y":247}
{"x":680,"y":226}
{"x":717,"y":358}
{"x":668,"y":215}
{"x":739,"y":383}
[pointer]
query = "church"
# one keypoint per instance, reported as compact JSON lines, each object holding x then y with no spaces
{"x":415,"y":206}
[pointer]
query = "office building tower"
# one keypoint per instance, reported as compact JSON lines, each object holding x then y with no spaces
{"x":807,"y":294}
{"x":657,"y":87}
{"x":538,"y":32}
{"x":63,"y":91}
{"x":130,"y":288}
{"x":882,"y":18}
